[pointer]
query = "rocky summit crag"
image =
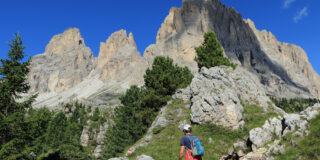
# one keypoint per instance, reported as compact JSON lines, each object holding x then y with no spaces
{"x":68,"y":70}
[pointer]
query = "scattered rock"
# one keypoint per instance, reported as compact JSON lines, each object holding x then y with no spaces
{"x":148,"y":138}
{"x":160,"y":120}
{"x":239,"y":145}
{"x":275,"y":129}
{"x":103,"y":129}
{"x":119,"y":158}
{"x":259,"y":154}
{"x":182,"y":124}
{"x":85,"y":136}
{"x":97,"y":151}
{"x":144,"y":157}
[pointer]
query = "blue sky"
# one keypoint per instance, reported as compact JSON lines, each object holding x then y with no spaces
{"x":293,"y":21}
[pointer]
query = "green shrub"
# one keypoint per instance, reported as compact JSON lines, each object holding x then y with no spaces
{"x":165,"y":78}
{"x":210,"y":53}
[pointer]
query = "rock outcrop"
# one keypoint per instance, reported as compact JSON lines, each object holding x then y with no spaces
{"x":214,"y":94}
{"x":266,"y":140}
{"x":64,"y":64}
{"x":214,"y":99}
{"x":264,"y":143}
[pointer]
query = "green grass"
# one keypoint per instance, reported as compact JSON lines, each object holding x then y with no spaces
{"x":165,"y":143}
{"x":255,"y":116}
{"x":305,"y":148}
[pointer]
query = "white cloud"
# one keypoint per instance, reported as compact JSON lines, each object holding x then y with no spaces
{"x":287,"y":3}
{"x":300,"y":14}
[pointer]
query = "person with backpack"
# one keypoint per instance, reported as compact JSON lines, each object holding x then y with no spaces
{"x":191,"y":145}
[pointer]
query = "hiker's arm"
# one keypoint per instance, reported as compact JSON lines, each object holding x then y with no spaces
{"x":181,"y":152}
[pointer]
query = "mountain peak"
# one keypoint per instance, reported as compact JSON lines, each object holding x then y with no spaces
{"x":69,"y":40}
{"x":113,"y":44}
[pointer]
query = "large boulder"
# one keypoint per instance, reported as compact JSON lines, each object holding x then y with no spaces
{"x":261,"y":136}
{"x":215,"y":95}
{"x":214,"y":99}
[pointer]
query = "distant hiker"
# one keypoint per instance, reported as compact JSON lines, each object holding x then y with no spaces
{"x":191,"y":144}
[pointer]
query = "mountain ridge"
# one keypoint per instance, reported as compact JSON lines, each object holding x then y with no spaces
{"x":120,"y":65}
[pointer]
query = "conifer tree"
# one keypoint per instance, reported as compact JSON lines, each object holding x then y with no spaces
{"x":13,"y":83}
{"x":210,"y":53}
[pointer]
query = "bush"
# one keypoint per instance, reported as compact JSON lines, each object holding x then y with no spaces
{"x":165,"y":78}
{"x":210,"y":53}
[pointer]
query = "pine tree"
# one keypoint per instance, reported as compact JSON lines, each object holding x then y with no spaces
{"x":13,"y":82}
{"x":210,"y":53}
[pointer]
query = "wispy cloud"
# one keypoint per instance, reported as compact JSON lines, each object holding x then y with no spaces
{"x":287,"y":3}
{"x":300,"y":14}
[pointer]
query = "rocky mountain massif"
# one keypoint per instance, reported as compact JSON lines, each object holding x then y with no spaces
{"x":68,"y":71}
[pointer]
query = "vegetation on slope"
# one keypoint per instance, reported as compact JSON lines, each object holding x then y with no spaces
{"x":165,"y":143}
{"x":42,"y":134}
{"x":140,"y":105}
{"x":27,"y":133}
{"x":294,"y":105}
{"x":303,"y":148}
{"x":255,"y":116}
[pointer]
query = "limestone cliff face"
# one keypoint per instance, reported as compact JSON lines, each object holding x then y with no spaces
{"x":184,"y":27}
{"x":68,"y":71}
{"x":64,"y":64}
{"x":120,"y":61}
{"x":114,"y":43}
{"x":291,"y":57}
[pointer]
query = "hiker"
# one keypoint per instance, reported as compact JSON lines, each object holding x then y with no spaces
{"x":185,"y":144}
